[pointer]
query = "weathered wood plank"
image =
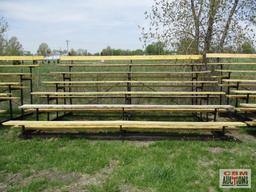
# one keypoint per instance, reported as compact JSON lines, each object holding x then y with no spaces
{"x":230,"y":56}
{"x":249,"y":105}
{"x":129,"y":58}
{"x":131,"y":93}
{"x":129,"y":125}
{"x":239,"y":80}
{"x":236,"y":71}
{"x":131,"y":64}
{"x":13,"y":74}
{"x":135,"y":73}
{"x":17,"y":66}
{"x":21,"y":58}
{"x":76,"y":106}
{"x":132,"y":82}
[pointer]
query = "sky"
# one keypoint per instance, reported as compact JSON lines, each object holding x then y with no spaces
{"x":88,"y":24}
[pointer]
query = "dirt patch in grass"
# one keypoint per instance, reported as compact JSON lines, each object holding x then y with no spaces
{"x":243,"y":137}
{"x":74,"y":182}
{"x":141,"y":143}
{"x":216,"y":150}
{"x":96,"y":179}
{"x":9,"y":180}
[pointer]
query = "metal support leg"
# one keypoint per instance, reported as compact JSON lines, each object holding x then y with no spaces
{"x":37,"y":114}
{"x":215,"y":114}
{"x":21,"y":96}
{"x":48,"y":102}
{"x":31,"y":85}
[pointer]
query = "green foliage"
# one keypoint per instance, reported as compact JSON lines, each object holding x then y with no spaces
{"x":43,"y":49}
{"x":110,"y":51}
{"x":186,"y":46}
{"x":157,"y":48}
{"x":247,"y":47}
{"x":14,"y":47}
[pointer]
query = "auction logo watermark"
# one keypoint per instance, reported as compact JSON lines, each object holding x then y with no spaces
{"x":235,"y":178}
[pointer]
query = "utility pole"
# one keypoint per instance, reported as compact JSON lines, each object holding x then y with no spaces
{"x":67,"y":41}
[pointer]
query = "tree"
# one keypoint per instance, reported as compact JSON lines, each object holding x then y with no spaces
{"x":213,"y":25}
{"x":72,"y":52}
{"x":187,"y":46}
{"x":3,"y":29}
{"x":155,"y":49}
{"x":14,"y":47}
{"x":107,"y":51}
{"x":247,"y":47}
{"x":43,"y":49}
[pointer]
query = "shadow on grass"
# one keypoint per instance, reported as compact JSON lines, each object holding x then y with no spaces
{"x":251,"y":131}
{"x":136,"y":136}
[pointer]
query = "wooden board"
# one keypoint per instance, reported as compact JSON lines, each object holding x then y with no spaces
{"x":130,"y":93}
{"x":129,"y":125}
{"x":14,"y":74}
{"x":246,"y":109}
{"x":2,"y":111}
{"x":249,"y":105}
{"x":239,"y":80}
{"x":122,"y":72}
{"x":236,"y":71}
{"x":130,"y":65}
{"x":240,"y":96}
{"x":127,"y":108}
{"x":230,"y":56}
{"x":5,"y":94}
{"x":244,"y":63}
{"x":243,"y":91}
{"x":132,"y":82}
{"x":76,"y":106}
{"x":21,"y":58}
{"x":8,"y":98}
{"x":129,"y":58}
{"x":130,"y":96}
{"x":15,"y":66}
{"x":9,"y":83}
{"x":240,"y":85}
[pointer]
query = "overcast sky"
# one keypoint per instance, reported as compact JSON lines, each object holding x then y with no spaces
{"x":88,"y":24}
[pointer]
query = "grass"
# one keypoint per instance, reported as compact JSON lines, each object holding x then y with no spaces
{"x":91,"y":165}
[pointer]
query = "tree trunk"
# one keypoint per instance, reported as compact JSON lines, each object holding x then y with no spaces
{"x":197,"y":25}
{"x":226,"y":29}
{"x":211,"y":19}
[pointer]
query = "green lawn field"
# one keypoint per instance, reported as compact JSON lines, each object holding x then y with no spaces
{"x":66,"y":164}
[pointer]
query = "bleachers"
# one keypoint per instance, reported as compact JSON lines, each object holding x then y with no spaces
{"x":14,"y":72}
{"x":127,"y":85}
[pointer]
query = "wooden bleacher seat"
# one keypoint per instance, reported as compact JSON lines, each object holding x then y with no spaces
{"x":128,"y":65}
{"x":239,"y":80}
{"x":7,"y":96}
{"x":19,"y":66}
{"x":243,"y":91}
{"x":123,"y":125}
{"x":131,"y":93}
{"x":246,"y":107}
{"x":127,"y":108}
{"x":123,"y":72}
{"x":238,"y":63}
{"x":236,"y":71}
{"x":132,"y":82}
{"x":15,"y":74}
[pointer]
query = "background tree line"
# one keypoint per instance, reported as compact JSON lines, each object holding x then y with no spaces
{"x":10,"y":46}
